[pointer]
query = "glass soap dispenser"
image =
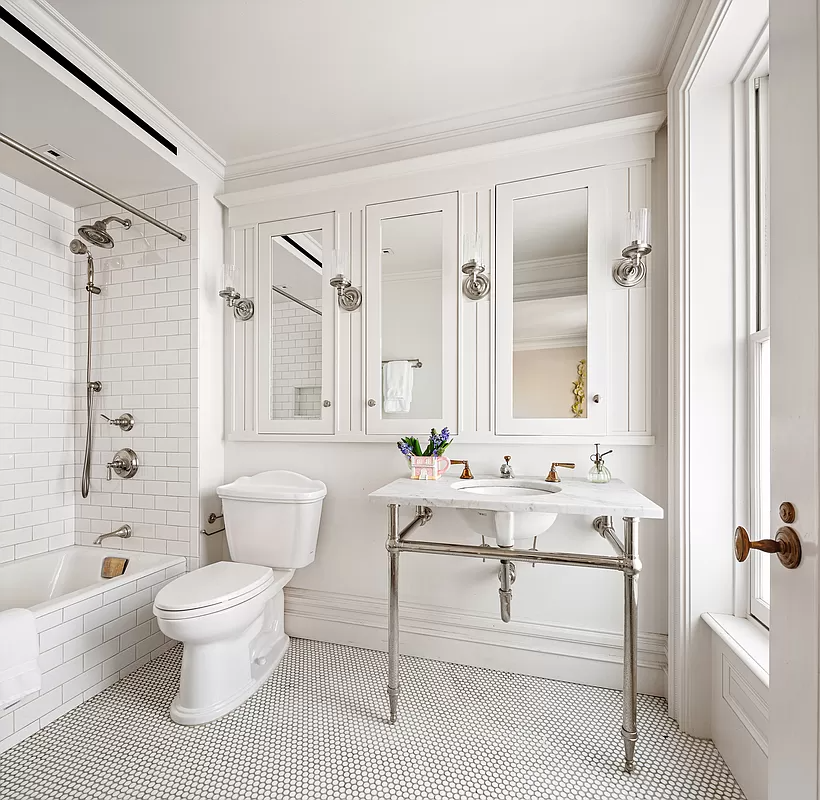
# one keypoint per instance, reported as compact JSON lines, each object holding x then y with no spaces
{"x":598,"y":472}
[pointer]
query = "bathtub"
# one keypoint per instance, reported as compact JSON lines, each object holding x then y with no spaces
{"x":49,"y":581}
{"x":92,"y":631}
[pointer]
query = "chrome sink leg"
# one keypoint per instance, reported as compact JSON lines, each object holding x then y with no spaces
{"x":629,"y":731}
{"x":393,"y":612}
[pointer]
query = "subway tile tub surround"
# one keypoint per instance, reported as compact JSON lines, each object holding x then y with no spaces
{"x":36,"y":372}
{"x":90,"y":637}
{"x":144,"y":354}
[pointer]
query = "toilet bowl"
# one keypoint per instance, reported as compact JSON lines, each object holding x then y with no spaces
{"x":229,"y":615}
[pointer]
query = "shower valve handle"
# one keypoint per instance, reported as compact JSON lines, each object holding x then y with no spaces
{"x":124,"y":421}
{"x":125,"y":464}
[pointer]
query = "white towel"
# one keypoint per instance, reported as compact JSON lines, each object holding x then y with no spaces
{"x":397,"y":387}
{"x":19,"y":672}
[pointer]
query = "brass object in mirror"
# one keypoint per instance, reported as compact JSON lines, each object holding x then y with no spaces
{"x":579,"y":389}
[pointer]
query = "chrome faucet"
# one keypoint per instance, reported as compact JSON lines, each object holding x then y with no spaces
{"x":124,"y":532}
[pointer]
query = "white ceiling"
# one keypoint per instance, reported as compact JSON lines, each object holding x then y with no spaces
{"x":270,"y":76}
{"x":37,"y":109}
{"x":294,"y":272}
{"x":550,"y":225}
{"x":414,"y":242}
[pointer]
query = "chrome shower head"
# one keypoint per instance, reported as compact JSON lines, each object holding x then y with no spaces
{"x":97,"y":234}
{"x":77,"y":247}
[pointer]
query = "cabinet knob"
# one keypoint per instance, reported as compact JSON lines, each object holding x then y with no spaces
{"x":371,"y":403}
{"x":326,"y":403}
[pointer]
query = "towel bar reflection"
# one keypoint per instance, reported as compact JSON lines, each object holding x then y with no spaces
{"x":414,"y":362}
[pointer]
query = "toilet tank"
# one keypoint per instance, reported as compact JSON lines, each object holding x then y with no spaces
{"x":272,"y":519}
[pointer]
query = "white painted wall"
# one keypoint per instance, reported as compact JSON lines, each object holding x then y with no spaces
{"x":36,"y":372}
{"x":567,"y":622}
{"x":342,"y":595}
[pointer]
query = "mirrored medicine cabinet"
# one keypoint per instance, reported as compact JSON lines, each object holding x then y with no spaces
{"x":549,"y":310}
{"x":556,"y":349}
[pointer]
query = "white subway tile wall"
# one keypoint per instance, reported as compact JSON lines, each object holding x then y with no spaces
{"x":144,"y":354}
{"x":87,"y":646}
{"x":36,"y":372}
{"x":296,"y":359}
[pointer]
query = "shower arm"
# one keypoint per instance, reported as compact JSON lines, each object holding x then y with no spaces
{"x":27,"y":151}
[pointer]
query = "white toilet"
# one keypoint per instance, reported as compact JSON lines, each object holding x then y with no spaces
{"x":230,"y":615}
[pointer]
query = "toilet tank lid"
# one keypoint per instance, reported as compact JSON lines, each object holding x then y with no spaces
{"x":277,"y":484}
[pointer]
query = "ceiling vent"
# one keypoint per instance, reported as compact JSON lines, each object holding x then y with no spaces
{"x":53,"y":153}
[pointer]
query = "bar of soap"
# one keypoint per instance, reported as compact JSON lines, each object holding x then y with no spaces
{"x":113,"y":566}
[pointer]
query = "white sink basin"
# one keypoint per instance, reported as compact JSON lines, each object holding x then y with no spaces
{"x":507,"y":526}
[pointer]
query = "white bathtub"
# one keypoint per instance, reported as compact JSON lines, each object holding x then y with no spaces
{"x":48,"y":581}
{"x":91,"y":631}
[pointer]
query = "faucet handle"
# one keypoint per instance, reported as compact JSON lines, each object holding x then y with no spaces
{"x":124,"y":421}
{"x":506,"y":470}
{"x":553,"y":473}
{"x":466,"y":473}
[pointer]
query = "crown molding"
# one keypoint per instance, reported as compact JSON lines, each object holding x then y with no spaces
{"x":55,"y":29}
{"x":544,"y":290}
{"x":454,"y":130}
{"x":479,"y":154}
{"x":550,"y":342}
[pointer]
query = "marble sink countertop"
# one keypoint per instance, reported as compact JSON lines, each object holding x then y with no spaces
{"x":576,"y":496}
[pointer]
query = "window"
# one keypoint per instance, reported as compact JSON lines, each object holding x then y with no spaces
{"x":759,"y":409}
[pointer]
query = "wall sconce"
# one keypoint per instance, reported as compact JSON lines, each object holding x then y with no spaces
{"x":242,"y":306}
{"x":632,"y":270}
{"x":347,"y":295}
{"x":476,"y":285}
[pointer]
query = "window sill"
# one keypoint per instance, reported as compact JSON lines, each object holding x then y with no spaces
{"x":748,"y":640}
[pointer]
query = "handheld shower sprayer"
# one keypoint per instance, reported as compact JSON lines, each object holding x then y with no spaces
{"x":79,"y":249}
{"x":97,"y":235}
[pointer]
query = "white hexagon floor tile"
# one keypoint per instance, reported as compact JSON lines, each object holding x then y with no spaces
{"x":318,"y":731}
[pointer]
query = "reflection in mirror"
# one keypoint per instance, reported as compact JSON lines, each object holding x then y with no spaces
{"x":296,"y":326}
{"x":550,"y":305}
{"x":411,"y":285}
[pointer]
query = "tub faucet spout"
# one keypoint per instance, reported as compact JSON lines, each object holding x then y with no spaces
{"x":124,"y":532}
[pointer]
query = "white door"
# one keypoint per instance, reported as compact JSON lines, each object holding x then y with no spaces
{"x":795,"y":401}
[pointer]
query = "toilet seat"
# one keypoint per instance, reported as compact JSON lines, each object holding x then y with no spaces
{"x":214,"y":588}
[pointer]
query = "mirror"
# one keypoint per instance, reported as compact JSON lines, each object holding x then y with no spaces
{"x":550,"y":305}
{"x":296,"y":325}
{"x":411,"y":319}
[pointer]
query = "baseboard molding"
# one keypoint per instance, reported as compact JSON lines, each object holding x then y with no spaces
{"x":575,"y":655}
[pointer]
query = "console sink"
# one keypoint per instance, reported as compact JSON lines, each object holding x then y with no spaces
{"x":507,"y":526}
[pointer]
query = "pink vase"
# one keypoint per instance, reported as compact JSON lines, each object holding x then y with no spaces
{"x":428,"y":468}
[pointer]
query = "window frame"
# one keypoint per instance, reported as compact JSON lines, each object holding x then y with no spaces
{"x":758,"y":483}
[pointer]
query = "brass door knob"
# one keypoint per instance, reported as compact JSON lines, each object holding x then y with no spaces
{"x":786,"y":544}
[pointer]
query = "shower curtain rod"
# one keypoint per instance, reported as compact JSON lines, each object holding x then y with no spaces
{"x":296,"y":300}
{"x":33,"y":154}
